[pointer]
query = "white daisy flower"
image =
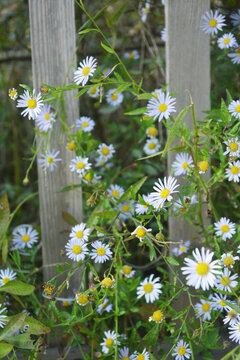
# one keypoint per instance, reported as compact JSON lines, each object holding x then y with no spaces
{"x":106,"y":151}
{"x":132,"y":55}
{"x":144,"y":11}
{"x":104,"y":306}
{"x":49,"y":160}
{"x":141,"y":209}
{"x":182,"y":351}
{"x":150,"y":288}
{"x":182,"y":206}
{"x":93,"y":92}
{"x":233,"y":147}
{"x":114,"y":99}
{"x":115,"y":191}
{"x":109,"y":341}
{"x":164,"y":34}
{"x":234,"y":108}
{"x":85,"y":70}
{"x":85,"y":123}
{"x":218,"y":302}
{"x":233,"y":172}
{"x":152,"y":132}
{"x":236,"y":18}
{"x":212,"y":22}
{"x":127,"y":271}
{"x":224,"y":228}
{"x":76,"y":249}
{"x":182,"y":164}
{"x":82,"y":299}
{"x":228,"y":260}
{"x":163,"y":192}
{"x":124,"y":354}
{"x":235,"y":57}
{"x":80,"y":165}
{"x":45,"y":119}
{"x":144,"y":355}
{"x":71,"y":145}
{"x":108,"y":283}
{"x":201,"y":272}
{"x":24,"y":236}
{"x":234,"y":332}
{"x":225,"y":281}
{"x":12,"y":93}
{"x":2,"y":317}
{"x":67,"y":301}
{"x":33,"y":104}
{"x":232,"y":316}
{"x":156,"y":92}
{"x":141,"y":232}
{"x":100,"y":252}
{"x":181,"y":248}
{"x":203,"y":166}
{"x":106,"y":71}
{"x":161,"y":107}
{"x":125,"y":211}
{"x":6,"y":276}
{"x":203,"y":310}
{"x":80,"y":232}
{"x":152,"y":146}
{"x":157,"y":317}
{"x":227,"y":41}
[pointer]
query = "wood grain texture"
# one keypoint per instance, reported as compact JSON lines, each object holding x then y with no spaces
{"x":53,"y":42}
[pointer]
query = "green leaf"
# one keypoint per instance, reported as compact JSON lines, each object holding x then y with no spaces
{"x":107,"y":48}
{"x":107,"y":214}
{"x":81,"y":92}
{"x":137,"y":111}
{"x":5,"y":349}
{"x":121,"y":88}
{"x":13,"y":325}
{"x":172,"y":261}
{"x":59,"y":268}
{"x":131,"y":192}
{"x":35,"y":326}
{"x":4,"y":214}
{"x":26,"y":87}
{"x":174,"y":129}
{"x":85,"y":31}
{"x":145,"y":96}
{"x":70,"y":187}
{"x":21,"y":341}
{"x":151,"y":337}
{"x":69,"y":218}
{"x":16,"y":287}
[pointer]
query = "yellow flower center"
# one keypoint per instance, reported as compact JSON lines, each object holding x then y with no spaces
{"x":50,"y":160}
{"x":25,"y":238}
{"x":148,"y":288}
{"x":234,"y":170}
{"x":226,"y":41}
{"x":185,"y":165}
{"x":157,"y":316}
{"x":114,"y":97}
{"x":222,"y":303}
{"x":182,"y":210}
{"x":152,"y":131}
{"x":88,"y":177}
{"x":146,"y":117}
{"x":105,"y":151}
{"x":80,"y":165}
{"x":85,"y":124}
{"x":140,"y":357}
{"x":92,"y":91}
{"x":162,"y":107}
{"x":71,"y":146}
{"x":115,"y":193}
{"x":126,"y":270}
{"x":107,"y":282}
{"x":66,"y":303}
{"x":77,"y":249}
{"x":203,"y":165}
{"x":183,"y":248}
{"x":101,"y":251}
{"x":225,"y":228}
{"x":233,"y":146}
{"x":131,"y":56}
{"x":152,"y":145}
{"x":228,"y":261}
{"x":6,"y":280}
{"x":225,"y":281}
{"x":125,"y":358}
{"x":165,"y":193}
{"x":12,"y":93}
{"x":141,"y":232}
{"x":101,"y":163}
{"x":182,"y":350}
{"x":86,"y":71}
{"x":202,"y":269}
{"x":155,"y":95}
{"x":237,"y":107}
{"x":232,"y":314}
{"x":79,"y":234}
{"x":212,"y":23}
{"x":82,"y":299}
{"x":109,"y":342}
{"x":31,"y":103}
{"x":47,"y":116}
{"x":146,"y":9}
{"x":205,"y":307}
{"x":125,"y":208}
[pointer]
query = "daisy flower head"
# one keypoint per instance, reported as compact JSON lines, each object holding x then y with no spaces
{"x":144,"y":355}
{"x":82,"y":299}
{"x":6,"y":276}
{"x":104,"y":306}
{"x":12,"y":93}
{"x":45,"y":119}
{"x":106,"y":151}
{"x":152,"y":132}
{"x":212,"y":22}
{"x":114,"y":99}
{"x":203,"y":166}
{"x":80,"y":232}
{"x":33,"y":104}
{"x":100,"y":252}
{"x":227,"y":41}
{"x":124,"y":354}
{"x":150,"y":288}
{"x":236,"y":18}
{"x":144,"y":11}
{"x":218,"y":302}
{"x":225,"y":281}
{"x":224,"y":228}
{"x":232,"y":316}
{"x":106,"y":71}
{"x":49,"y":160}
{"x":108,"y":283}
{"x":181,"y":248}
{"x":163,"y":192}
{"x":164,"y":34}
{"x":182,"y":351}
{"x":93,"y":92}
{"x":109,"y":340}
{"x":228,"y":260}
{"x":80,"y":165}
{"x":234,"y":108}
{"x":201,"y":272}
{"x":182,"y":164}
{"x":86,"y":69}
{"x":157,"y":317}
{"x":233,"y":171}
{"x":161,"y":107}
{"x":152,"y":146}
{"x":125,"y":211}
{"x":76,"y":249}
{"x":204,"y":310}
{"x":2,"y":317}
{"x":127,"y":271}
{"x":132,"y":55}
{"x":85,"y":123}
{"x":234,"y":332}
{"x":71,"y":145}
{"x":141,"y":232}
{"x":233,"y":147}
{"x":24,"y":236}
{"x":141,"y":209}
{"x":235,"y":56}
{"x":115,"y":191}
